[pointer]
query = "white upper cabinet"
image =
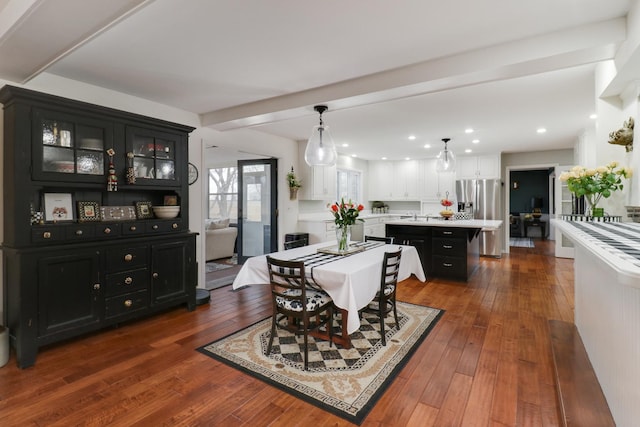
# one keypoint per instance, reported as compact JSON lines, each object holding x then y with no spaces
{"x":478,"y":167}
{"x":405,"y":180}
{"x":318,"y":182}
{"x":389,"y":180}
{"x":380,"y":180}
{"x":435,"y":185}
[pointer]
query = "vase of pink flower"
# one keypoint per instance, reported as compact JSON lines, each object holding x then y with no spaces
{"x":345,"y":215}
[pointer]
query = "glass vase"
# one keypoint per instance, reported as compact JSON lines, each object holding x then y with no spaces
{"x":593,"y":209}
{"x":343,"y":235}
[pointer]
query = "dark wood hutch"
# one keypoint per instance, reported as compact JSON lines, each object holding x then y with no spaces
{"x":72,"y":269}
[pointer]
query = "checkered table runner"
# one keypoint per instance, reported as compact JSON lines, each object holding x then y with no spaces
{"x":315,"y":259}
{"x":620,"y":239}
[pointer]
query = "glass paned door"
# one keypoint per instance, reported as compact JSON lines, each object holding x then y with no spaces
{"x":257,"y":208}
{"x":564,"y":205}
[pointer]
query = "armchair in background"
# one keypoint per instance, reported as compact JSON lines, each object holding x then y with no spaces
{"x":220,"y":239}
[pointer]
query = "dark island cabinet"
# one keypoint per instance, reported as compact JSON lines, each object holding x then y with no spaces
{"x":99,"y":258}
{"x":445,"y":252}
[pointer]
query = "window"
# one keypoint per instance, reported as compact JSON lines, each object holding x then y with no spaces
{"x":223,"y":193}
{"x":349,"y":184}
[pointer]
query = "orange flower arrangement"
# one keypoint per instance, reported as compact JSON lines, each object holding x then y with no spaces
{"x":346,"y":213}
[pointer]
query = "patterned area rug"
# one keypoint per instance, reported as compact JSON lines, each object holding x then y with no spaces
{"x":521,"y":242}
{"x":347,"y":383}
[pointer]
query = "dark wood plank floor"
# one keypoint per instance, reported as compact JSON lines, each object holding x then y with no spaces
{"x":487,"y":363}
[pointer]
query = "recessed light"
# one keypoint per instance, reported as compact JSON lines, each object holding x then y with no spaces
{"x":354,"y":155}
{"x":407,"y":158}
{"x":475,"y":141}
{"x":384,"y":158}
{"x":541,"y":130}
{"x":345,"y":145}
{"x":468,"y":130}
{"x":593,"y":116}
{"x":412,"y":137}
{"x":468,"y":150}
{"x":427,"y":145}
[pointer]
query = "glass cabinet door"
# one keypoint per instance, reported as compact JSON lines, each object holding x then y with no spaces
{"x":154,"y":155}
{"x":69,"y":147}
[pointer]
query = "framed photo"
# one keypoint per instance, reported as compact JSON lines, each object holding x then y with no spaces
{"x":118,"y":213}
{"x":58,"y":207}
{"x":171,"y":200}
{"x":88,"y":211}
{"x":143,"y":210}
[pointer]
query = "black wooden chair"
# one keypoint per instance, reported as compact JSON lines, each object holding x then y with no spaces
{"x":385,"y":300}
{"x":387,"y":240}
{"x":295,"y":244}
{"x":303,"y":309}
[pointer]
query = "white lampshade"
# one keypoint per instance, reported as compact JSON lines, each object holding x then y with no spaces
{"x":446,"y":160}
{"x":321,"y":150}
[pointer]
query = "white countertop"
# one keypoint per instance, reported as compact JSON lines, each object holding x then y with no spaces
{"x":488,"y":225}
{"x":327,"y":216}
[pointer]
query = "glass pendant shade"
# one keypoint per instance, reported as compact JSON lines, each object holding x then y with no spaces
{"x":446,"y":160}
{"x":321,"y":150}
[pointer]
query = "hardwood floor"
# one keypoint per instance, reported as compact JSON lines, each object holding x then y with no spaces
{"x":488,"y":362}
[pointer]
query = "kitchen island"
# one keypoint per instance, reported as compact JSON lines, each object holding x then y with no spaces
{"x":607,"y":308}
{"x":447,"y":248}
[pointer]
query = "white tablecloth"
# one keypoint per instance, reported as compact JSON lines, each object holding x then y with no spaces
{"x":351,"y":281}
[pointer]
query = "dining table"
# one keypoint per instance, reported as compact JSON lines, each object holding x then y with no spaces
{"x":351,"y":280}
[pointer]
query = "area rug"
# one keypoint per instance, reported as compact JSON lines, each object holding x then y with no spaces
{"x":220,"y":273}
{"x":521,"y":242}
{"x":347,"y":383}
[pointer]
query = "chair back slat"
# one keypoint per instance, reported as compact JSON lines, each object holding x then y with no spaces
{"x":390,"y":268}
{"x":287,"y":275}
{"x":295,"y":244}
{"x":387,"y":240}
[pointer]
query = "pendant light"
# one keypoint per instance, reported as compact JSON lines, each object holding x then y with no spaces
{"x":446,"y":159}
{"x":320,"y":151}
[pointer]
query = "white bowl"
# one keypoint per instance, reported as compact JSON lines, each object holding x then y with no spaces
{"x":165,"y":212}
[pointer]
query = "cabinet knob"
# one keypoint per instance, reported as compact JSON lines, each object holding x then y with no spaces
{"x":96,"y":286}
{"x":128,"y":303}
{"x":128,"y":281}
{"x":46,"y":235}
{"x":155,"y":226}
{"x":107,"y":230}
{"x":78,"y":232}
{"x":133,"y":228}
{"x":446,"y":264}
{"x":128,"y":257}
{"x":174,"y":225}
{"x":155,"y":275}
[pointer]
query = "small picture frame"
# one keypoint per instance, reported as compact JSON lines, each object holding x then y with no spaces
{"x":143,"y":210}
{"x":171,"y":200}
{"x":58,"y":207}
{"x":118,"y":213}
{"x":89,"y":211}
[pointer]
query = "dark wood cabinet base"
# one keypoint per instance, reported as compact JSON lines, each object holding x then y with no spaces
{"x":445,"y":252}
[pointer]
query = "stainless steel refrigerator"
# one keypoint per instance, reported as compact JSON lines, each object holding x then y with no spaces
{"x":482,"y":197}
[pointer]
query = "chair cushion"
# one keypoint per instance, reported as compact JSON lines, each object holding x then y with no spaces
{"x":315,"y":299}
{"x":388,"y":289}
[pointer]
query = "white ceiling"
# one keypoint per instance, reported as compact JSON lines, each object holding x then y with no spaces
{"x":386,"y":69}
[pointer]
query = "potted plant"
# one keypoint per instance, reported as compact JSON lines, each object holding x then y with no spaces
{"x":596,"y":183}
{"x":294,"y":184}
